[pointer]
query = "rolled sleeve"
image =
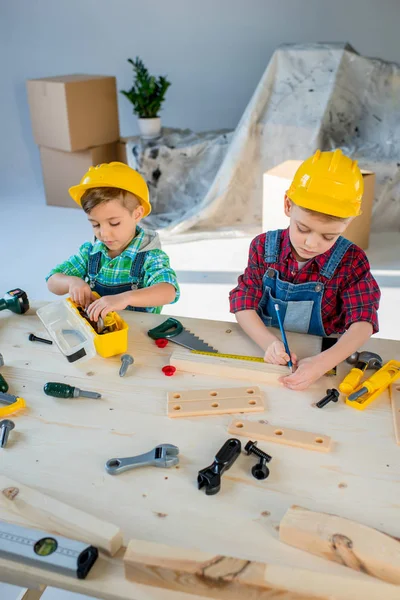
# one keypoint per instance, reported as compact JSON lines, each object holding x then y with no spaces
{"x":76,"y":265}
{"x":158,"y":270}
{"x":361,"y":296}
{"x":248,"y":292}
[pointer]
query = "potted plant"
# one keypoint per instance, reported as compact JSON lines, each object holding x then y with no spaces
{"x":147,"y":95}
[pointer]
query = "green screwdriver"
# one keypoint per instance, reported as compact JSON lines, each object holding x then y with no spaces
{"x":62,"y":390}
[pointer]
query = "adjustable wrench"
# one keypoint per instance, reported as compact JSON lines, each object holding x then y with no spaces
{"x":164,"y":456}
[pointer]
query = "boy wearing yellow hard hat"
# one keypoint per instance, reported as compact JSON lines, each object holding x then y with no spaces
{"x":125,"y":264}
{"x":320,"y":281}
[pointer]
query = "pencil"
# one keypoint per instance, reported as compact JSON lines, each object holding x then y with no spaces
{"x":284,"y":339}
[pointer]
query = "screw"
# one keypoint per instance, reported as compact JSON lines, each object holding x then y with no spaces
{"x":35,"y":338}
{"x":260,"y":470}
{"x":356,"y":395}
{"x":331,"y":396}
{"x":1,"y":361}
{"x":126,"y":360}
{"x":5,"y":427}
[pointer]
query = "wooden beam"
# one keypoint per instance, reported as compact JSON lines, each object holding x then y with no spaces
{"x":228,"y":578}
{"x":31,"y":594}
{"x":201,"y":364}
{"x":217,"y":401}
{"x":25,"y":506}
{"x":281,"y":435}
{"x":343,"y":541}
{"x":394,"y":391}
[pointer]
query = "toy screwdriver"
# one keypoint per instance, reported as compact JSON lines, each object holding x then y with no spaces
{"x":63,"y":390}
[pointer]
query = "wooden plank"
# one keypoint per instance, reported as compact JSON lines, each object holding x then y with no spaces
{"x":229,"y":578}
{"x":394,"y":391}
{"x":228,"y":406}
{"x":31,"y":594}
{"x":281,"y":435}
{"x":227,"y":367}
{"x":343,"y":541}
{"x":217,"y":401}
{"x":23,"y":505}
{"x":214,"y":394}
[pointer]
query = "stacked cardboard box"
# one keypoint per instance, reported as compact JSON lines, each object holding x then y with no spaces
{"x":277,"y":182}
{"x":75,"y":123}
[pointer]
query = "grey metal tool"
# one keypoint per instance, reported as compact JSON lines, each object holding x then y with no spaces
{"x":163,"y":456}
{"x":46,"y":551}
{"x":5,"y":427}
{"x":1,"y":361}
{"x":63,"y":390}
{"x":126,"y":360}
{"x":174,"y":331}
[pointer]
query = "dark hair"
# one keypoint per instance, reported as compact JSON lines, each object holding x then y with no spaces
{"x":100,"y":195}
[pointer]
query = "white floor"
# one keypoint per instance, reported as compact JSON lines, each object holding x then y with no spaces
{"x":38,"y":236}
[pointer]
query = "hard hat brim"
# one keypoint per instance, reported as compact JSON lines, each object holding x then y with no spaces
{"x":323,"y":204}
{"x":76,"y":192}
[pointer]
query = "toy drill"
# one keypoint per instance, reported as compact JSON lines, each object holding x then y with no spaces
{"x":371,"y":388}
{"x":15,"y":300}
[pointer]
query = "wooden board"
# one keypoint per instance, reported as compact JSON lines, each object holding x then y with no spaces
{"x":59,"y":448}
{"x":341,"y":540}
{"x":227,"y":367}
{"x":229,"y":578}
{"x":30,"y":595}
{"x":217,"y":401}
{"x":395,"y":399}
{"x":25,"y":506}
{"x":281,"y":435}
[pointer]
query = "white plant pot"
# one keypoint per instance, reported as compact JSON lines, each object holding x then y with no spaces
{"x":150,"y":128}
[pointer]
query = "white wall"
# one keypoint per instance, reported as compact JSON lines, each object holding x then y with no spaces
{"x":213,"y":51}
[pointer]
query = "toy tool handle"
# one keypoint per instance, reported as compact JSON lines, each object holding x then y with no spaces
{"x":58,"y":390}
{"x":169,"y":329}
{"x":10,"y":409}
{"x":351,"y":381}
{"x":227,"y":455}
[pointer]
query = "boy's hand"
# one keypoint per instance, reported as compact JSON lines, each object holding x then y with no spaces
{"x":308,"y":370}
{"x":80,"y":292}
{"x":276,"y":354}
{"x":102,"y":306}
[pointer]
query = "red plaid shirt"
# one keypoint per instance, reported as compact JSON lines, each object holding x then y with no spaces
{"x":352,"y":295}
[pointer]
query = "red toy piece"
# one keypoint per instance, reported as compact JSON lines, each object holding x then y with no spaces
{"x":161,"y":343}
{"x":169,"y":370}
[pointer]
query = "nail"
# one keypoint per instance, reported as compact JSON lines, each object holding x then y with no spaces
{"x":35,"y":338}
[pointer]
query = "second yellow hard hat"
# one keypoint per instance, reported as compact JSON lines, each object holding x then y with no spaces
{"x":329,"y":183}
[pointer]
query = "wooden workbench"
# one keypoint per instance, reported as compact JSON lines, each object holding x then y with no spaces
{"x":59,"y":447}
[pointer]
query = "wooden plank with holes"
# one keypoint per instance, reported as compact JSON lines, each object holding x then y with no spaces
{"x":395,"y":400}
{"x":228,"y":578}
{"x":214,"y":394}
{"x":343,"y":541}
{"x":281,"y":435}
{"x":226,"y":406}
{"x":227,"y":367}
{"x":31,"y":594}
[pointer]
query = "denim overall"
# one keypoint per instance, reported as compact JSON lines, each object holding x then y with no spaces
{"x":299,"y":303}
{"x":136,"y":275}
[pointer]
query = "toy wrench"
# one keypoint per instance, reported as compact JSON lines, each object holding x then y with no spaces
{"x":164,"y":456}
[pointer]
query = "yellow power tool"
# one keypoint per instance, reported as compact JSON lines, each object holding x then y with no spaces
{"x":373,"y":387}
{"x":362,"y":361}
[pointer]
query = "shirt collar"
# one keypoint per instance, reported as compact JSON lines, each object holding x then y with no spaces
{"x":286,"y":251}
{"x":131,"y":250}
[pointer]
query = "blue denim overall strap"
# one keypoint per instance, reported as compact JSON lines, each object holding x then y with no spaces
{"x":300,"y":303}
{"x":135,"y":275}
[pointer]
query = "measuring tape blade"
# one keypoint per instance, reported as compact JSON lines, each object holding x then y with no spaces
{"x":233,"y":356}
{"x":44,"y":550}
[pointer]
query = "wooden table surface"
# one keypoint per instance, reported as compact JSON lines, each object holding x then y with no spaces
{"x":59,"y":447}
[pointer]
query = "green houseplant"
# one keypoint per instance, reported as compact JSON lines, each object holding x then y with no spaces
{"x":147,"y":95}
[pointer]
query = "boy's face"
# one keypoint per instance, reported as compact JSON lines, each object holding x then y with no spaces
{"x":310,"y":234}
{"x":114,"y":224}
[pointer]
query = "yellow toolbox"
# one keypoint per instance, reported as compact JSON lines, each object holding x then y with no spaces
{"x":75,"y":336}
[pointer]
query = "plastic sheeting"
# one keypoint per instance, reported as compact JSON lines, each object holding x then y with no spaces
{"x":310,"y":96}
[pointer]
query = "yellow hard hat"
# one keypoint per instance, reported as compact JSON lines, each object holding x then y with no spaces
{"x":329,"y":183}
{"x":117,"y":175}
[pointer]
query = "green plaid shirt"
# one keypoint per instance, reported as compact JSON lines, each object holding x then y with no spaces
{"x":116,"y":271}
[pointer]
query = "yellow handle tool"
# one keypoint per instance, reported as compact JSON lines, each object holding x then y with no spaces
{"x":374,"y":386}
{"x":351,"y":381}
{"x":12,"y":404}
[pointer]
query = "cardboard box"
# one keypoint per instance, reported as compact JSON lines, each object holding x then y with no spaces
{"x":74,"y":112}
{"x":61,"y":170}
{"x":275,"y":185}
